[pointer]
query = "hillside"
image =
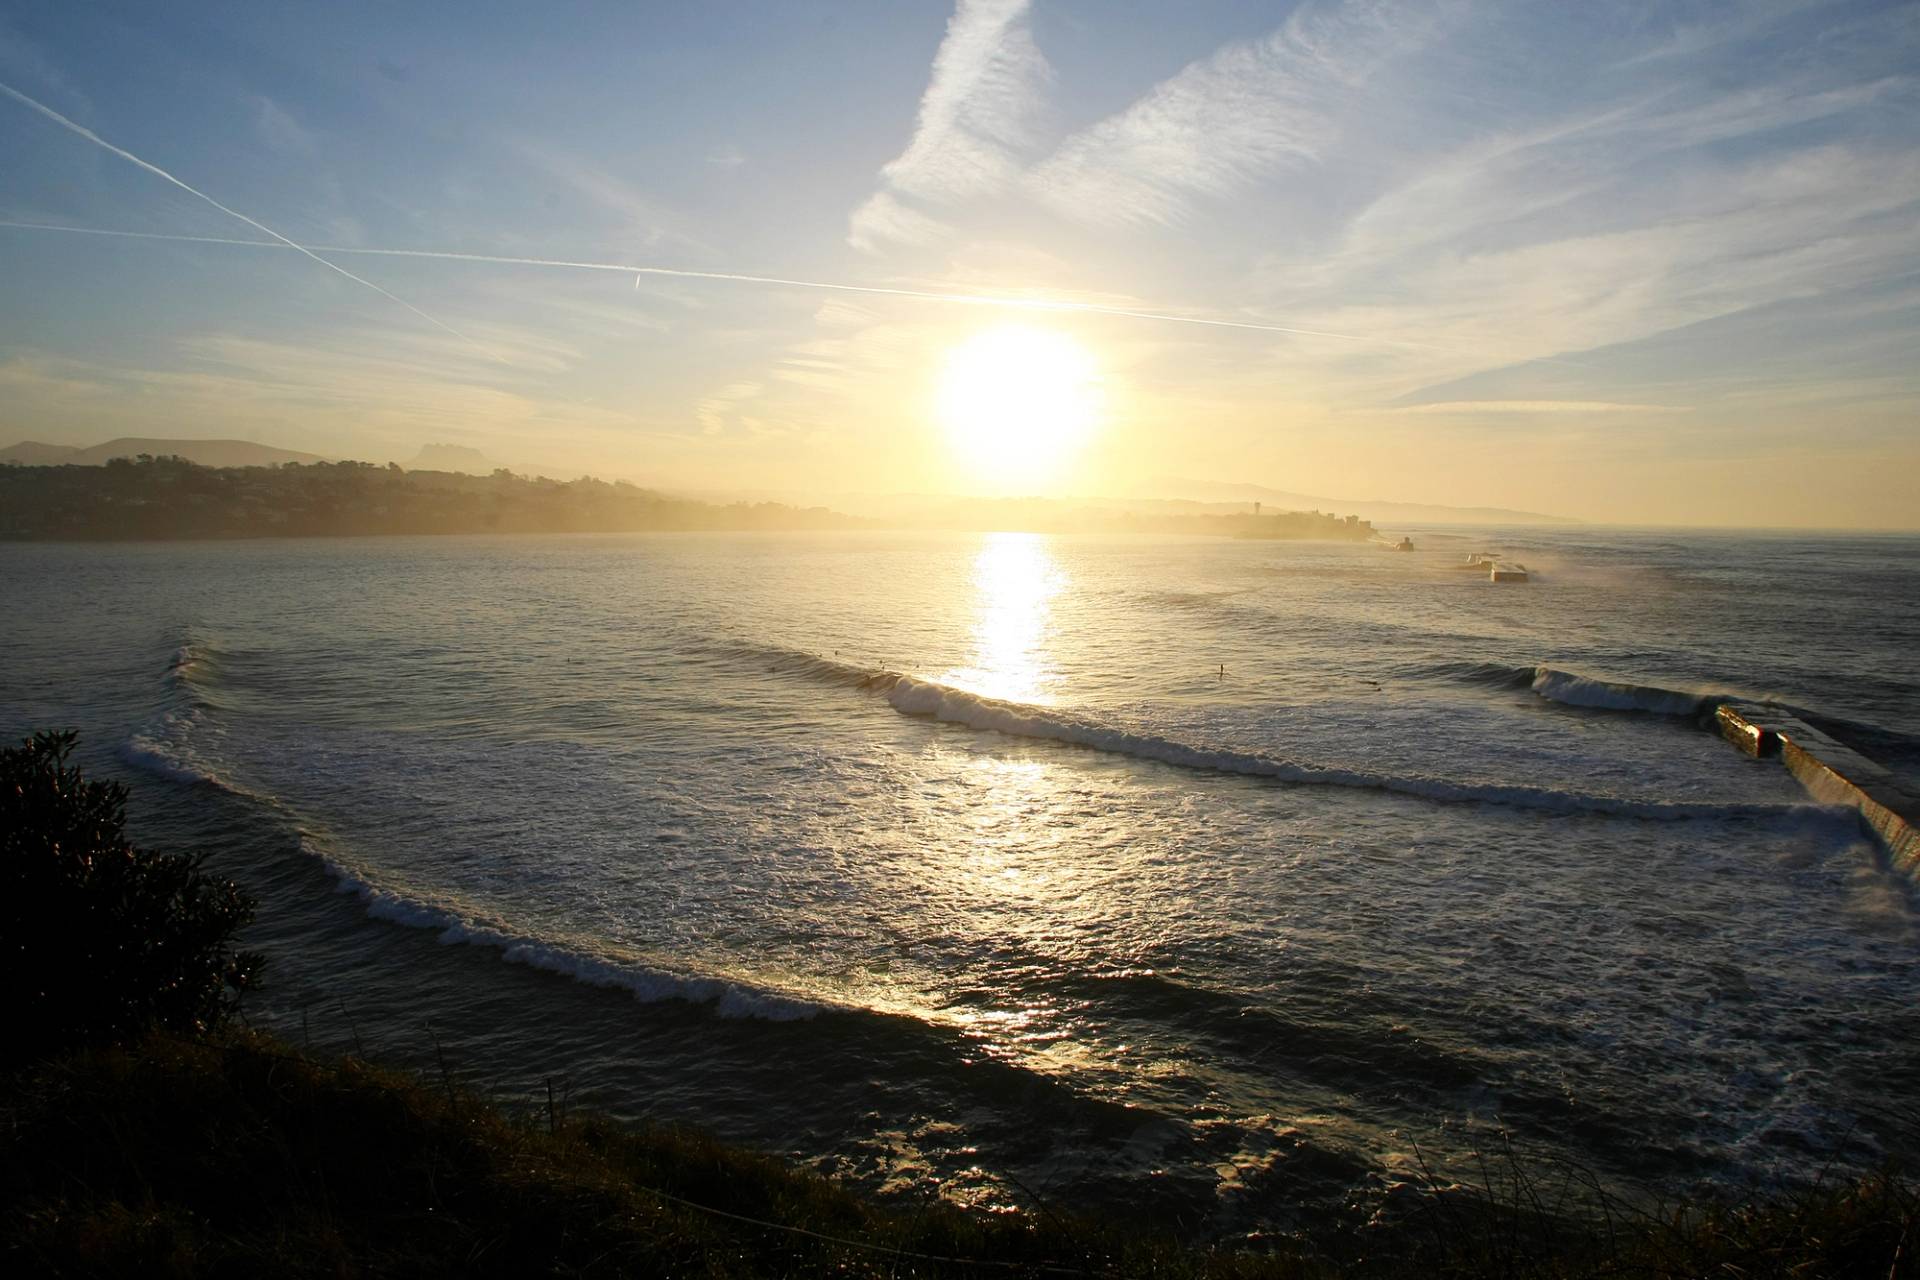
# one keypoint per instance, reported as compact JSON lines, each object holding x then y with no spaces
{"x":159,"y":498}
{"x":207,"y":453}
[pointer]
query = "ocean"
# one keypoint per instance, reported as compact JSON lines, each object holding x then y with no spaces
{"x":1223,"y":881}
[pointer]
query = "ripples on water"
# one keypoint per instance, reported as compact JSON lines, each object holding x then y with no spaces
{"x":1210,"y":876}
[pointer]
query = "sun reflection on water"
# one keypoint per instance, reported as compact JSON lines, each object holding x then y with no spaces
{"x":1003,"y":863}
{"x":1015,"y":579}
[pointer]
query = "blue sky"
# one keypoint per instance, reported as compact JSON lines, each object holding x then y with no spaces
{"x":1641,"y":262}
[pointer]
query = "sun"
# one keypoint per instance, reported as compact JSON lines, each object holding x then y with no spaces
{"x":1018,"y":402}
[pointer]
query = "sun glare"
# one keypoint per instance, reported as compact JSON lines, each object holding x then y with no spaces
{"x":1015,"y":579}
{"x":1018,"y":402}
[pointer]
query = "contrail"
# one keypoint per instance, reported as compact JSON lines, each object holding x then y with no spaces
{"x":925,"y":295}
{"x":677,"y":273}
{"x":261,"y":227}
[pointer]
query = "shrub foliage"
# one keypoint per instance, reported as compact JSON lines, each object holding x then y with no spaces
{"x":101,"y":941}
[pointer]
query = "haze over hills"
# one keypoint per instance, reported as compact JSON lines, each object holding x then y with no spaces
{"x":208,"y":453}
{"x":1163,"y":497}
{"x":165,"y":497}
{"x":455,"y":458}
{"x":460,"y":458}
{"x":463,"y":459}
{"x":1146,"y":498}
{"x":158,"y":497}
{"x":1214,"y":491}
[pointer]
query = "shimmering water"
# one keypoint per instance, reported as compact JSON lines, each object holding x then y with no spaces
{"x":1207,"y":876}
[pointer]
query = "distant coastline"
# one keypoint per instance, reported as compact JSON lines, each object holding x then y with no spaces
{"x":151,"y":498}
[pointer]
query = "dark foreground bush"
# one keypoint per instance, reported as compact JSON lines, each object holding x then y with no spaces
{"x":100,"y":941}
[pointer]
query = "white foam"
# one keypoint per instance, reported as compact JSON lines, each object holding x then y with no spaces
{"x":648,"y":986}
{"x":164,"y":760}
{"x":164,"y":751}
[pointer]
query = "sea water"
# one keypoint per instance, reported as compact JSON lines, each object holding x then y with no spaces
{"x":1222,"y":879}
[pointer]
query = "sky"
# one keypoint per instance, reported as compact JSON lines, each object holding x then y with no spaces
{"x":1632,"y":262}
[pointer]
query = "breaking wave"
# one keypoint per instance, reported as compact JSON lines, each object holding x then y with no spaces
{"x":729,"y":999}
{"x":1586,"y":691}
{"x":191,"y":669}
{"x":158,"y":753}
{"x":167,"y":747}
{"x":915,"y":696}
{"x":1572,"y":689}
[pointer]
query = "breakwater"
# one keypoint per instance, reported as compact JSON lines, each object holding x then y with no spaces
{"x":1832,"y":773}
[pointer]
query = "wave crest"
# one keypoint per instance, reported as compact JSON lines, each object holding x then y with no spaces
{"x":164,"y":750}
{"x":811,"y":666}
{"x":192,"y":667}
{"x":165,"y":760}
{"x":729,"y":999}
{"x":1572,"y":689}
{"x":913,"y":696}
{"x":916,"y":696}
{"x":1586,"y":691}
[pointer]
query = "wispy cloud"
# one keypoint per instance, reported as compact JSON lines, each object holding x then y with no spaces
{"x":1509,"y":181}
{"x":1532,"y":406}
{"x":643,"y":220}
{"x":1606,"y":270}
{"x":1247,"y":111}
{"x":24,"y":59}
{"x":278,"y":129}
{"x":884,"y":218}
{"x":723,"y":409}
{"x":976,"y":117}
{"x":1690,"y":38}
{"x":1653,"y":202}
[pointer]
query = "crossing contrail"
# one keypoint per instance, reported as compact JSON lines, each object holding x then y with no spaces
{"x":639,"y":272}
{"x":279,"y":241}
{"x":261,"y":227}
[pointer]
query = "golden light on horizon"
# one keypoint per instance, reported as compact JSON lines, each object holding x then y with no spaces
{"x":1017,"y":403}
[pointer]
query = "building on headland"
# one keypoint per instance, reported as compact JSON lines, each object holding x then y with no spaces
{"x":1283,"y":525}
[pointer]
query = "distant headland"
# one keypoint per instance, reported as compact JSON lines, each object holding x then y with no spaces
{"x":152,"y":496}
{"x":148,"y":497}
